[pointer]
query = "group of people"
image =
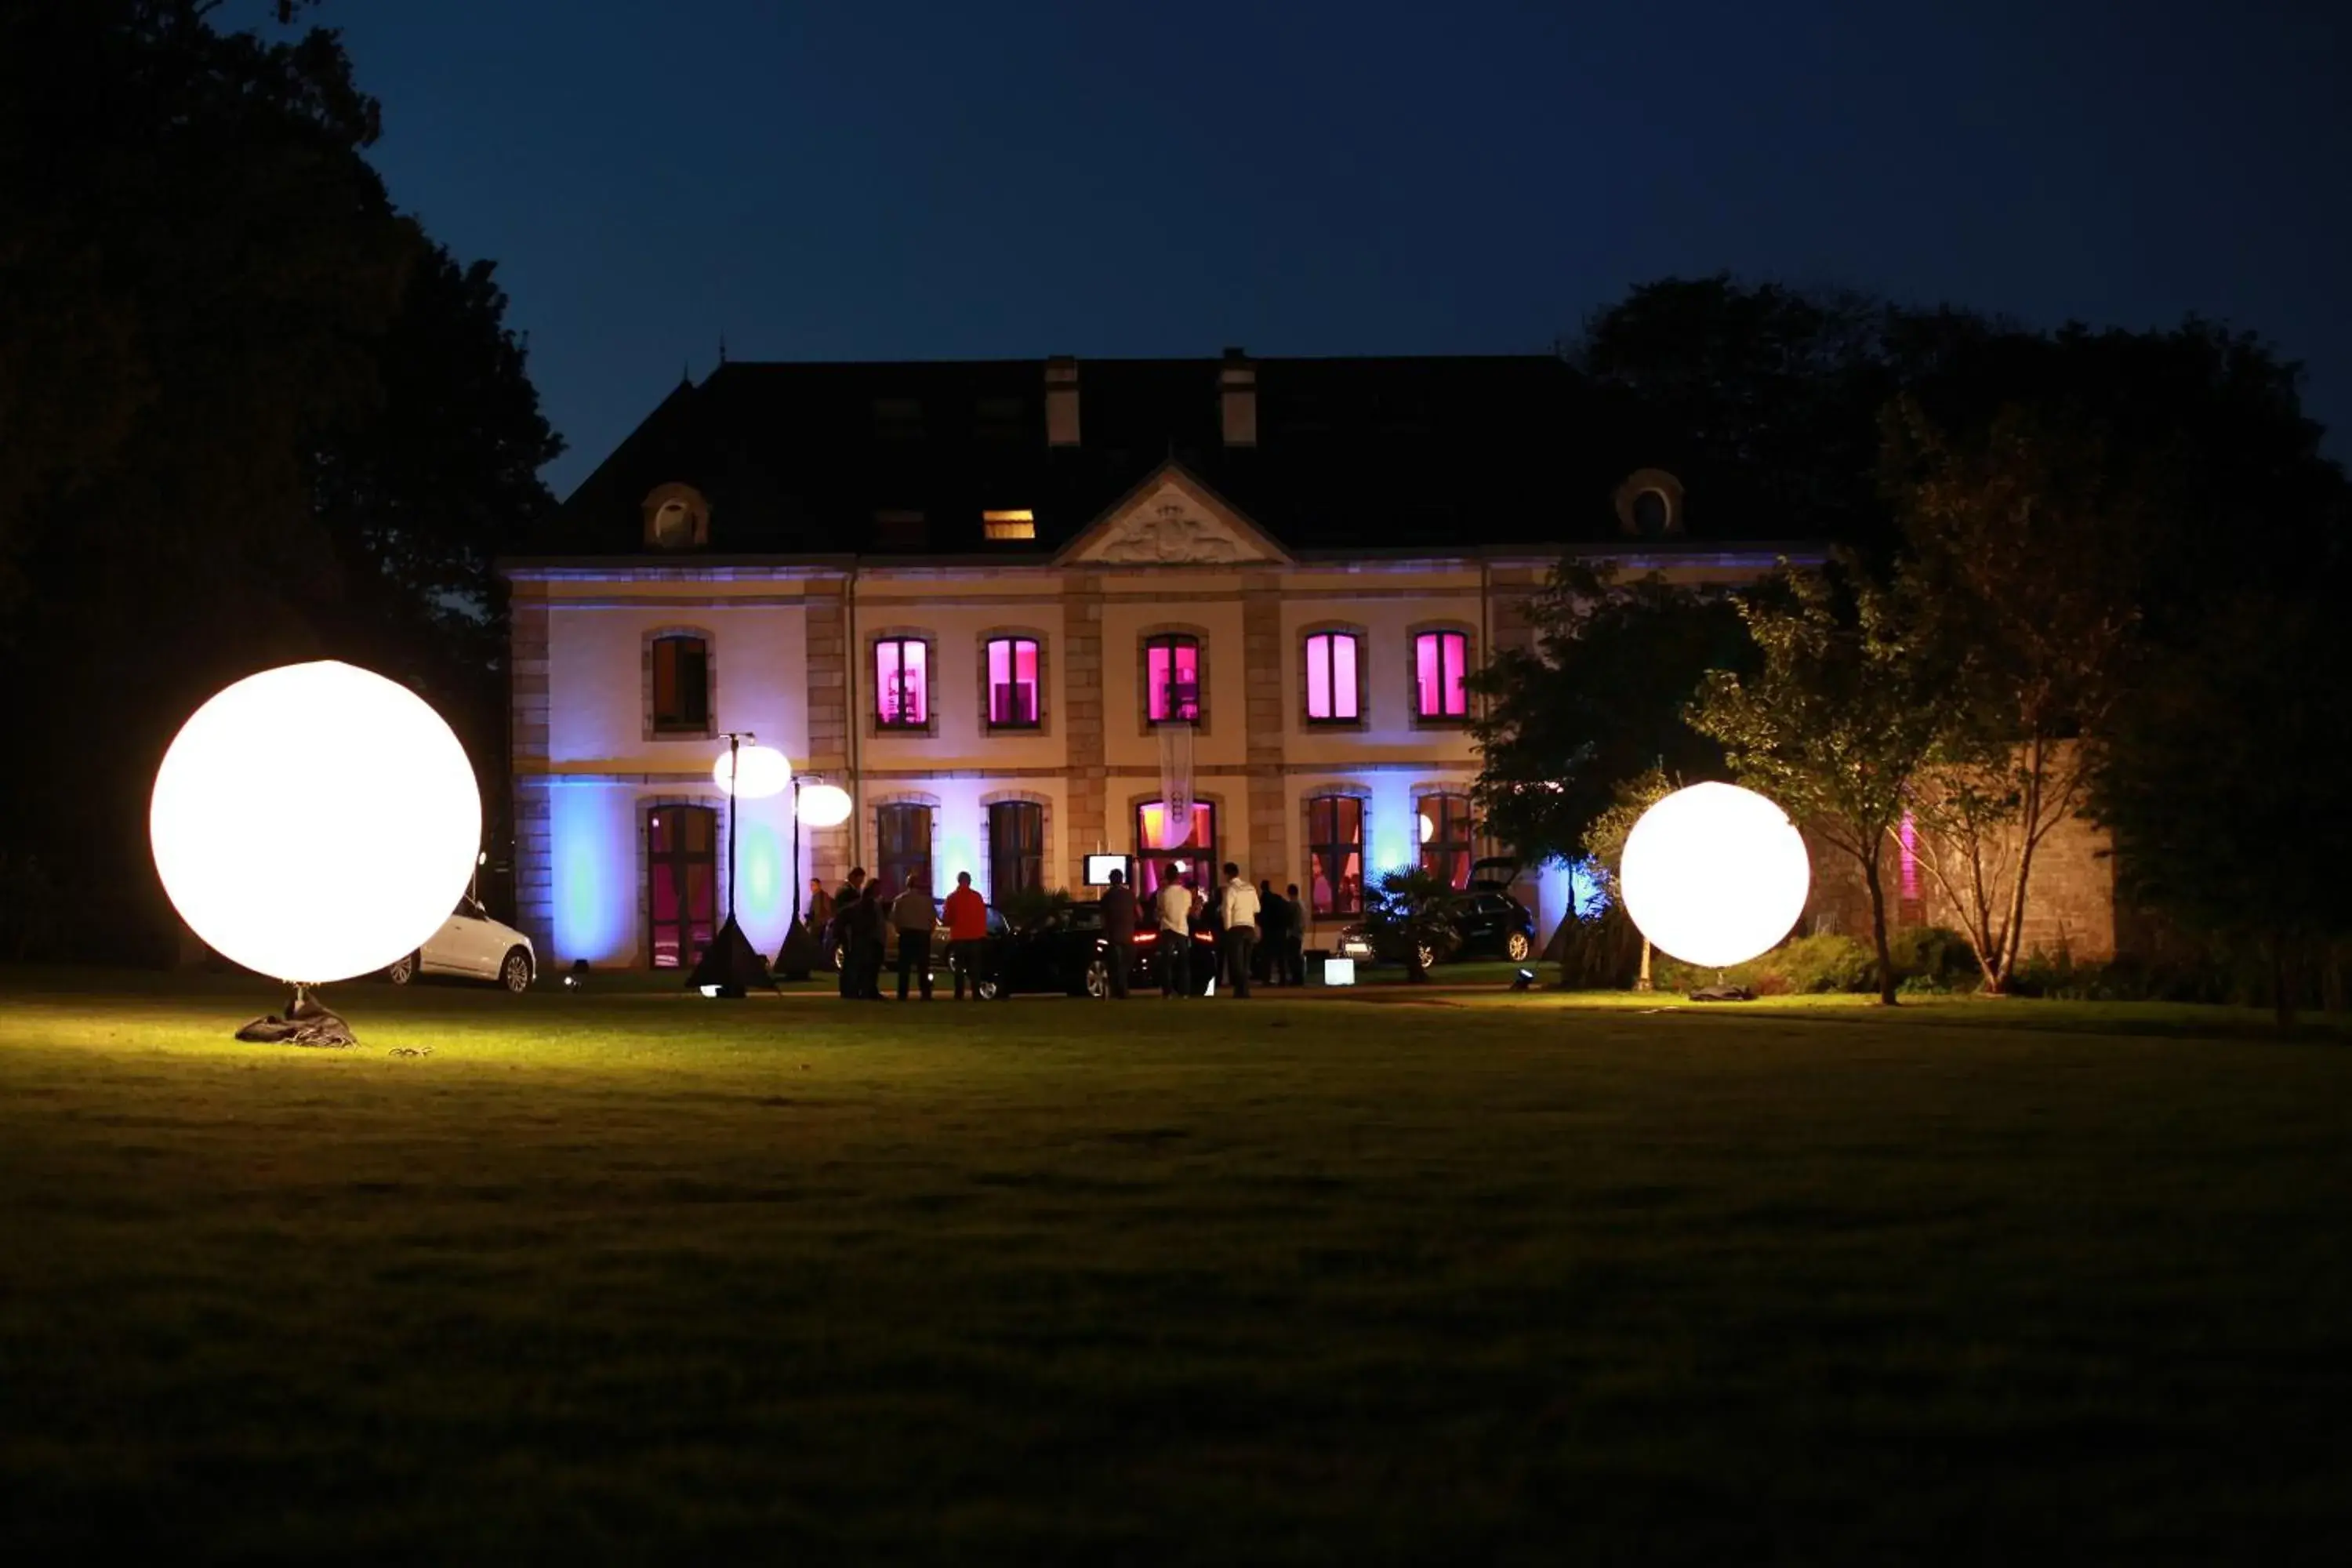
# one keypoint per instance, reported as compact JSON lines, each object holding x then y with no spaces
{"x":1256,"y":933}
{"x":856,"y":923}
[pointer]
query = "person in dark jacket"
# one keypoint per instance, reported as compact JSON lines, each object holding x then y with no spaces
{"x":1118,"y":931}
{"x":836,"y":931}
{"x":1273,"y":919}
{"x":869,"y":920}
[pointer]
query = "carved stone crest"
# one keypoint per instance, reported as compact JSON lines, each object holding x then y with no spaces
{"x":1169,"y":536}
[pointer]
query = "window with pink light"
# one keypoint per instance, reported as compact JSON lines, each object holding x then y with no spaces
{"x":902,"y":693}
{"x":1012,"y":701}
{"x":1332,"y":692}
{"x":1171,"y":680}
{"x":1442,"y":675}
{"x":1335,"y":855}
{"x":1161,"y":842}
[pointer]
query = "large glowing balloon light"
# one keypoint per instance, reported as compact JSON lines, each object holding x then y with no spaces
{"x":825,"y":806}
{"x":752,"y":772}
{"x":315,"y":822}
{"x":1715,"y":874}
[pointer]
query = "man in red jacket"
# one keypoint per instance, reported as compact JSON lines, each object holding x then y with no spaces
{"x":967,"y":917}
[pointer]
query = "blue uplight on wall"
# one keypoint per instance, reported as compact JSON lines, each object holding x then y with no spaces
{"x":591,"y":850}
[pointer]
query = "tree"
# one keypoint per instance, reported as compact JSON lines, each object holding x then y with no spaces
{"x":1600,"y":699}
{"x":1833,"y":725}
{"x":2221,"y":784}
{"x":1405,"y":916}
{"x":2019,"y":590}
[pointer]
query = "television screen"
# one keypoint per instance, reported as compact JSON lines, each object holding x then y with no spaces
{"x":1100,"y":866}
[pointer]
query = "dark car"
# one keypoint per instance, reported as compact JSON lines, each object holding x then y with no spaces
{"x":1065,"y":950}
{"x":1487,"y":921}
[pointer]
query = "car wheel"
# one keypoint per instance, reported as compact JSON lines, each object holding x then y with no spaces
{"x":989,"y":991}
{"x":1515,"y":947}
{"x":403,"y":970}
{"x":1098,"y":979}
{"x":1427,"y":953}
{"x":840,"y":958}
{"x":515,"y":973}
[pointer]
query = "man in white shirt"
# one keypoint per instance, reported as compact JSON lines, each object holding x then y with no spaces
{"x":1240,"y":927}
{"x":1175,"y":905}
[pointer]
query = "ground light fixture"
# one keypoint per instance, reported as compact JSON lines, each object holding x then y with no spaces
{"x":1715,"y":874}
{"x":318,"y":871}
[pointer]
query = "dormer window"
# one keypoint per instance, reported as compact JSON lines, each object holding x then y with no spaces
{"x":677,"y":518}
{"x":1009,"y":525}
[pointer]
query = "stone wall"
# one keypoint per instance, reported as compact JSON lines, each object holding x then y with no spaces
{"x":527,"y":762}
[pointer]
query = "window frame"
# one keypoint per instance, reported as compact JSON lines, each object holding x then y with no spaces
{"x":1422,"y":718}
{"x":1173,"y":638}
{"x":1336,"y":908}
{"x":1146,"y":861}
{"x":679,"y":726}
{"x":1457,"y":806}
{"x":1360,"y":697}
{"x":999,"y":856}
{"x":1015,"y":635}
{"x":883,"y":862}
{"x":880,"y":725}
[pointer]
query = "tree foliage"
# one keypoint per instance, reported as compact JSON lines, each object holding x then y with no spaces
{"x":1405,"y":916}
{"x":1601,"y":698}
{"x":1835,"y":723}
{"x":247,"y":413}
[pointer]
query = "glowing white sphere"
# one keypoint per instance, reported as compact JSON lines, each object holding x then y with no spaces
{"x":756,"y":773}
{"x":1428,"y":828}
{"x":825,"y":806}
{"x":1715,"y":874}
{"x":315,"y":822}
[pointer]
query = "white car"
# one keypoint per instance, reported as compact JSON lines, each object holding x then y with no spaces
{"x":472,"y":944}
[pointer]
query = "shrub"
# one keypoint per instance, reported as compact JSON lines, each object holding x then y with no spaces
{"x":1804,"y":965}
{"x":1929,"y":959}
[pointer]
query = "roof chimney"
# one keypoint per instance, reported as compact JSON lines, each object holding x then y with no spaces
{"x":1062,"y":401}
{"x":1237,"y":398}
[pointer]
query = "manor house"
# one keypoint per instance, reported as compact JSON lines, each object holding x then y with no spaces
{"x":1027,"y":612}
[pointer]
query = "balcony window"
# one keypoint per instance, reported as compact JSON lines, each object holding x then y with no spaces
{"x":681,"y":686}
{"x":1335,"y":853}
{"x":1445,"y":836}
{"x":1171,"y":679}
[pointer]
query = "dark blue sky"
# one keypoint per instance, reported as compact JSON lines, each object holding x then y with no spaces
{"x":920,"y":180}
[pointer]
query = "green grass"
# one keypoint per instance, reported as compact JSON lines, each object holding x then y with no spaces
{"x":1385,"y":1277}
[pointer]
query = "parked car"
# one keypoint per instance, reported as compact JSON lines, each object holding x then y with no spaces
{"x":837,"y":956}
{"x":471,"y":944}
{"x":1066,"y":951}
{"x":1487,"y":921}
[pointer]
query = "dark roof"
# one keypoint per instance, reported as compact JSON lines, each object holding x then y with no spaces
{"x":1389,"y":453}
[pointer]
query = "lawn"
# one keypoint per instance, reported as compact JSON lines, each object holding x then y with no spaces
{"x":1390,"y":1277}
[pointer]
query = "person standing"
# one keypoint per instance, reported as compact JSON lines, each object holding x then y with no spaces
{"x":841,"y":949}
{"x":967,"y":917}
{"x":1266,"y":954}
{"x":1175,"y":905}
{"x":916,"y":917}
{"x":1294,"y":940}
{"x":1118,"y":931}
{"x":868,"y":921}
{"x":1241,"y":912}
{"x":819,"y":913}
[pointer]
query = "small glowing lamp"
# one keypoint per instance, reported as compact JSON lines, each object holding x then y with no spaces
{"x":315,"y":871}
{"x":752,"y":772}
{"x":1715,"y":874}
{"x":1428,"y":828}
{"x":825,"y":806}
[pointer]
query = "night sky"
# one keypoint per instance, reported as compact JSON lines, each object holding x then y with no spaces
{"x":920,"y":180}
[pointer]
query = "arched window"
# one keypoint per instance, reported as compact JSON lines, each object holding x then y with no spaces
{"x":1013,"y":683}
{"x":1440,"y":666}
{"x":1016,"y":848}
{"x":1335,"y":853}
{"x":902,"y":838}
{"x":1171,"y":679}
{"x":1161,"y":843}
{"x":681,"y":881}
{"x":681,"y":685}
{"x":1446,"y":841}
{"x":902,"y":683}
{"x":1333,"y":693}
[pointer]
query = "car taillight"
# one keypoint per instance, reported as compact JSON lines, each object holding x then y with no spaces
{"x":1143,"y":938}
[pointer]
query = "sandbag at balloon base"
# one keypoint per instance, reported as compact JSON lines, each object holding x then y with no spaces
{"x":307,"y":1023}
